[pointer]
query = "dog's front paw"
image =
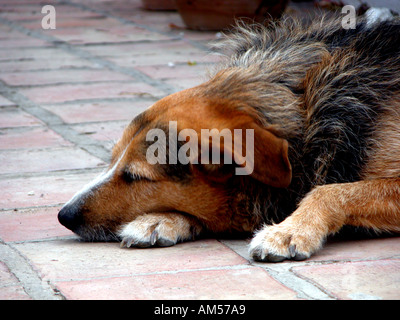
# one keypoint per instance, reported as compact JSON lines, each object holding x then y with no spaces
{"x":284,"y":241}
{"x":158,"y":229}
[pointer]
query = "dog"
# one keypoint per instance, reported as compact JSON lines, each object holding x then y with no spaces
{"x":323,"y":105}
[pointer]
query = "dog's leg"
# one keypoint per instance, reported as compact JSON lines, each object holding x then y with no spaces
{"x":370,"y":203}
{"x":159,"y":229}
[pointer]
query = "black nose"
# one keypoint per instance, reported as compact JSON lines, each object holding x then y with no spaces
{"x":70,"y":216}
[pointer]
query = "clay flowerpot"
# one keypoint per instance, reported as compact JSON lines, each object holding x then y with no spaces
{"x":159,"y":4}
{"x":220,"y":14}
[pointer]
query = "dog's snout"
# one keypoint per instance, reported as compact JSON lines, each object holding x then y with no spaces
{"x":71,"y":217}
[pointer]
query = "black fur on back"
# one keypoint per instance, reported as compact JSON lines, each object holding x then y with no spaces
{"x":353,"y":90}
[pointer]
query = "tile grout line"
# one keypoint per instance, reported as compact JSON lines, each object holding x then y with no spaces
{"x":110,"y":100}
{"x":54,"y":173}
{"x":21,"y":209}
{"x":303,"y":288}
{"x":155,"y":273}
{"x":67,"y":83}
{"x":34,"y":286}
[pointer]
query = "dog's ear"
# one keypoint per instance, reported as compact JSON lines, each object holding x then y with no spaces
{"x":271,"y":163}
{"x":252,"y":150}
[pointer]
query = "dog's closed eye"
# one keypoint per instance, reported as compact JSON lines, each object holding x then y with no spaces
{"x":130,"y":177}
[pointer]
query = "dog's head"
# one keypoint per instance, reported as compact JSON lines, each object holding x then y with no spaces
{"x":164,"y":163}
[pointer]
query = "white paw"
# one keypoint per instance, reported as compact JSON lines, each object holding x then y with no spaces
{"x":279,"y":242}
{"x":161,"y":230}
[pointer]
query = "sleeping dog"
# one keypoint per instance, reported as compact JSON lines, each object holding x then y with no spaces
{"x":305,"y":124}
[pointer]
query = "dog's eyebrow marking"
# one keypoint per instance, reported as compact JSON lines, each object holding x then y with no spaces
{"x":177,"y":172}
{"x":140,"y":121}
